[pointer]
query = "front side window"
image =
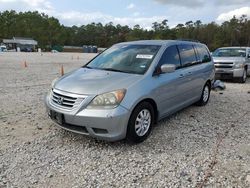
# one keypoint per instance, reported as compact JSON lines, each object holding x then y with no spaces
{"x":126,"y":58}
{"x":230,"y":52}
{"x":203,"y":54}
{"x":171,"y":56}
{"x":187,"y":54}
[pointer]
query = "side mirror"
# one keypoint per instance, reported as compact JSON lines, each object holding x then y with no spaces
{"x":168,"y":68}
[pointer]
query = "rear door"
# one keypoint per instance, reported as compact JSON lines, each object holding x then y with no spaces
{"x":205,"y":66}
{"x":190,"y":69}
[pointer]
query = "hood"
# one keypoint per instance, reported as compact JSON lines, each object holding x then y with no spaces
{"x":228,"y":59}
{"x":93,"y":81}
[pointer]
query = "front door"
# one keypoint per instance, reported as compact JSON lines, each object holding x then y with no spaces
{"x":169,"y":87}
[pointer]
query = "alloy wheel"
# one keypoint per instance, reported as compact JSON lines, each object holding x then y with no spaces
{"x":206,"y":93}
{"x":143,"y":122}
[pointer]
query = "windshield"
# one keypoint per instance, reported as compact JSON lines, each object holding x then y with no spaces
{"x":126,"y":58}
{"x":230,"y":52}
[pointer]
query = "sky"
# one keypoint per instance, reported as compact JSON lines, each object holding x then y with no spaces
{"x":128,"y":12}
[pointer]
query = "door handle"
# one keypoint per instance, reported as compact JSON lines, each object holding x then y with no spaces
{"x":181,"y":75}
{"x":186,"y":74}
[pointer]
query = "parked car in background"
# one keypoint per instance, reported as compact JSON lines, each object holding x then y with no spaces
{"x":3,"y":48}
{"x":54,"y":51}
{"x":126,"y":89}
{"x":232,"y":63}
{"x":26,"y":49}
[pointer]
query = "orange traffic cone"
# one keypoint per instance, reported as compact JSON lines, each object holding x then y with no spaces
{"x":62,"y":71}
{"x":25,"y":64}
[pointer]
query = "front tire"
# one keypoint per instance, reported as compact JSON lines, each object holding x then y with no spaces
{"x":244,"y":77}
{"x":205,"y":95}
{"x":140,"y":122}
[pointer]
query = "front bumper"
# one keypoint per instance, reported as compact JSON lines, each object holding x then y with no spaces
{"x":106,"y":124}
{"x":224,"y":73}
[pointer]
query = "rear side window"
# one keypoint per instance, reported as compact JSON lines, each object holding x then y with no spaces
{"x":187,"y":55}
{"x":203,"y":54}
{"x":171,"y":56}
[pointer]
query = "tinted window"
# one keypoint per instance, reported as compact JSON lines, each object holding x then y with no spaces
{"x":187,"y":54}
{"x":126,"y":58}
{"x":203,"y":54}
{"x":170,"y":56}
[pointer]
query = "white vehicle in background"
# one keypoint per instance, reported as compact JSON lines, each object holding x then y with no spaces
{"x":3,"y":48}
{"x":54,"y":51}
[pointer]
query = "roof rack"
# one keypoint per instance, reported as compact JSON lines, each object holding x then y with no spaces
{"x":189,"y":40}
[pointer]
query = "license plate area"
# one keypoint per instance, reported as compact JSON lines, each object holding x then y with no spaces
{"x":220,"y":71}
{"x":57,"y":117}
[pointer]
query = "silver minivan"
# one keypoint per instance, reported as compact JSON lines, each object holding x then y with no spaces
{"x":123,"y":91}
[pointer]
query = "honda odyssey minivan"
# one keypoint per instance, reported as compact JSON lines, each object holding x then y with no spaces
{"x":124,"y":90}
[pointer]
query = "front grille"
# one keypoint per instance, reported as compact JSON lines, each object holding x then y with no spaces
{"x":227,"y":63}
{"x":224,"y":65}
{"x":63,"y":100}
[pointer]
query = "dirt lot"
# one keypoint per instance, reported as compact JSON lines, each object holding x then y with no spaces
{"x":199,"y":146}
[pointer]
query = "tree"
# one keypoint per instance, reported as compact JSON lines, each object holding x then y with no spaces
{"x":48,"y":31}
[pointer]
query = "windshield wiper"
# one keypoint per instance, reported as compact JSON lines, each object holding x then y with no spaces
{"x":87,"y":67}
{"x":110,"y":69}
{"x":115,"y":70}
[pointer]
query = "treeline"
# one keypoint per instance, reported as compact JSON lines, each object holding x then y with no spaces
{"x":49,"y":32}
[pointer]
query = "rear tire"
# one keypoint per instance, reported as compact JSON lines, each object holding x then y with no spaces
{"x":205,"y":95}
{"x":140,"y":122}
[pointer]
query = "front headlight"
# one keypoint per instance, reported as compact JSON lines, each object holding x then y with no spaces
{"x":238,"y":65}
{"x":107,"y":100}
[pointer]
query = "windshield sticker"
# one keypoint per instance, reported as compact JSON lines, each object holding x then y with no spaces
{"x":243,"y":51}
{"x":144,"y":56}
{"x":143,"y":66}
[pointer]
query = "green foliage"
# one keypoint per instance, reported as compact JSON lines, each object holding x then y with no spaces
{"x":50,"y":33}
{"x":57,"y":48}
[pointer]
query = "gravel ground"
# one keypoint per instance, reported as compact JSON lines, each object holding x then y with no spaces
{"x":197,"y":147}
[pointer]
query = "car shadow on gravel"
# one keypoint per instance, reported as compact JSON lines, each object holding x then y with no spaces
{"x":165,"y":134}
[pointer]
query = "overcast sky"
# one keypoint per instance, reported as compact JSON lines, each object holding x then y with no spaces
{"x":128,"y":12}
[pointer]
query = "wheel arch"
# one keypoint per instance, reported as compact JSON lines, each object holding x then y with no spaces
{"x":209,"y":82}
{"x":246,"y":67}
{"x":153,"y":103}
